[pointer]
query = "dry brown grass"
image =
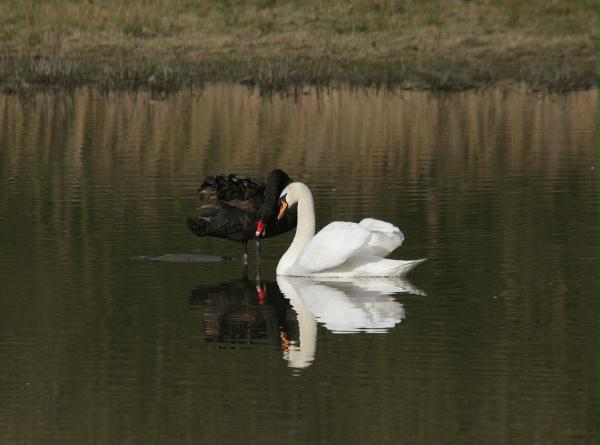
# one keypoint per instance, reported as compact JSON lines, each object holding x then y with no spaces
{"x":170,"y":44}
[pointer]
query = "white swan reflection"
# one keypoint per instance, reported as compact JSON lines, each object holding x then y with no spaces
{"x":286,"y":313}
{"x":360,"y":305}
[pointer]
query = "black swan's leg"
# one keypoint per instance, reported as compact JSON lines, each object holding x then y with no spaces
{"x":257,"y":243}
{"x":245,"y":261}
{"x":245,"y":254}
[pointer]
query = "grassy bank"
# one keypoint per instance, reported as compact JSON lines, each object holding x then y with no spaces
{"x":173,"y":44}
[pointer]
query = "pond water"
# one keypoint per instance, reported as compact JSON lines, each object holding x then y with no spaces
{"x":494,"y":339}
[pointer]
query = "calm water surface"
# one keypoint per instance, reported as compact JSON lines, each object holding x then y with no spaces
{"x":493,"y":340}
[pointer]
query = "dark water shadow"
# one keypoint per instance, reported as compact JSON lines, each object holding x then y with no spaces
{"x":183,"y":258}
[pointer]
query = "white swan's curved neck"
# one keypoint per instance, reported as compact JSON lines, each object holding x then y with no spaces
{"x":305,"y":229}
{"x":303,"y":354}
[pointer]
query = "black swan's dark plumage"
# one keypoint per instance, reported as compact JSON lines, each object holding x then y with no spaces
{"x":233,"y":206}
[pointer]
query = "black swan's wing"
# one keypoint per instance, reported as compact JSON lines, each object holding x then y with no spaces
{"x":230,"y":207}
{"x":242,"y":192}
{"x":223,"y":221}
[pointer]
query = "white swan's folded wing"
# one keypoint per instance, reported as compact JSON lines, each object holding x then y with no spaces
{"x":384,"y":238}
{"x":332,"y":246}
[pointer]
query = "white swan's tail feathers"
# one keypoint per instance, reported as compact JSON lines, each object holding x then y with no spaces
{"x":388,"y":268}
{"x":369,"y":266}
{"x":405,"y":266}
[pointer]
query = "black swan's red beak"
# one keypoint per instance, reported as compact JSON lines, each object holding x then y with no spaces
{"x":260,"y":228}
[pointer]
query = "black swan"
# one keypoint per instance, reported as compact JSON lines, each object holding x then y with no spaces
{"x":240,"y":209}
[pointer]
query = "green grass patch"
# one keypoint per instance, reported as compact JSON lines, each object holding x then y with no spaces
{"x":276,"y":44}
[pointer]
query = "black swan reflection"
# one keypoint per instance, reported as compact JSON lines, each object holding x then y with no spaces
{"x":243,"y":312}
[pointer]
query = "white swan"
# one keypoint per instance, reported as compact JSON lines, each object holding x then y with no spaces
{"x":340,"y":249}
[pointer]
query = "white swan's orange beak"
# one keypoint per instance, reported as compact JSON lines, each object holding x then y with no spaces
{"x":282,"y":208}
{"x":285,"y":341}
{"x":260,"y":228}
